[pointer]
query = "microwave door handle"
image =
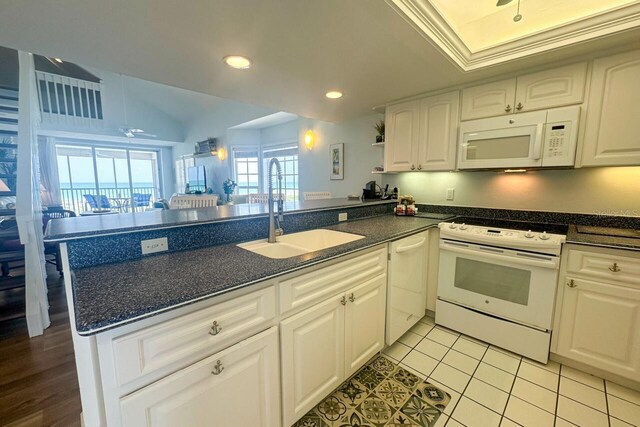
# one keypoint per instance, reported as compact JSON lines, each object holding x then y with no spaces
{"x":548,"y":263}
{"x":537,"y":142}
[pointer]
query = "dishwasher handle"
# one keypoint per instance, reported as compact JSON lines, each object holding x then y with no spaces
{"x":402,"y":249}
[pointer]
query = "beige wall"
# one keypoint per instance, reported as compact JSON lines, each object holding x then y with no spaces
{"x":612,"y":191}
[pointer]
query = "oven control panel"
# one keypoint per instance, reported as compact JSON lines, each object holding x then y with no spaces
{"x":501,"y":236}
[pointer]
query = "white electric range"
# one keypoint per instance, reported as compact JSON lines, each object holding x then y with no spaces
{"x":499,"y":285}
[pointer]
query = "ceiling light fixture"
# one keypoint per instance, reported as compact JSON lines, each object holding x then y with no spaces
{"x":515,"y":170}
{"x":238,"y":62}
{"x":518,"y":17}
{"x":333,"y":94}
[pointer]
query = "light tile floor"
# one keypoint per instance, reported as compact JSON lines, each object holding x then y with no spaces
{"x":491,"y":387}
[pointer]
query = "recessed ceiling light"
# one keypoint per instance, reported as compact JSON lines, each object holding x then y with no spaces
{"x":58,"y":60}
{"x":334,"y":94}
{"x":236,"y":61}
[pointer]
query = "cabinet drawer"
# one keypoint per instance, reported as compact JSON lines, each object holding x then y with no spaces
{"x":175,"y":343}
{"x":239,"y":386}
{"x":613,"y":265}
{"x":318,"y":285}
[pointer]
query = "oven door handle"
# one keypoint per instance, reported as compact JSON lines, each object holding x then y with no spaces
{"x":410,"y":247}
{"x":533,"y":260}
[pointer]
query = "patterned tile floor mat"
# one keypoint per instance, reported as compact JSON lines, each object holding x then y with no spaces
{"x":380,"y":394}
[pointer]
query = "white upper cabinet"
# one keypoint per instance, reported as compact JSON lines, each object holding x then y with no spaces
{"x":612,"y":132}
{"x":422,"y":134}
{"x":438,"y":132}
{"x":551,"y":88}
{"x":488,"y":100}
{"x":537,"y":91}
{"x":401,"y":136}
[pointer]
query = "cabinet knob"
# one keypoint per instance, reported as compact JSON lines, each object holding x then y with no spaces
{"x":352,"y":297}
{"x":215,"y":328}
{"x":413,"y":167}
{"x":571,"y":283}
{"x":614,"y":267}
{"x":507,"y":108}
{"x":218,"y":368}
{"x":343,"y":301}
{"x":519,"y":106}
{"x":419,"y":167}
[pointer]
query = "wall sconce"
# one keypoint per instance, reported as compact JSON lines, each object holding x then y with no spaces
{"x":222,"y":154}
{"x":309,"y":139}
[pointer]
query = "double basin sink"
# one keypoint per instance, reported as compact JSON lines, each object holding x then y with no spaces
{"x":290,"y":245}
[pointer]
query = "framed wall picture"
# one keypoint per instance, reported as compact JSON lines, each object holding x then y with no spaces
{"x":337,"y":161}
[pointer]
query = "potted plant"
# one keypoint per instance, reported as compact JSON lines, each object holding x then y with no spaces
{"x":380,"y":129}
{"x":229,"y":186}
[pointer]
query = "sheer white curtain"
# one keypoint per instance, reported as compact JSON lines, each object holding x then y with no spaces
{"x":49,"y":181}
{"x":28,"y":205}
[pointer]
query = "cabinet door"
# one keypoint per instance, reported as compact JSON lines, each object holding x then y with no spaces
{"x":489,"y":100}
{"x":612,"y":133}
{"x":438,"y":132}
{"x":551,"y":88}
{"x":407,"y":294}
{"x":364,"y":323}
{"x":238,"y":386}
{"x":599,"y":326}
{"x":401,"y":137}
{"x":312,"y":348}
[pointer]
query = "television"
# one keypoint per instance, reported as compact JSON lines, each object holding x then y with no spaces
{"x":197,"y":178}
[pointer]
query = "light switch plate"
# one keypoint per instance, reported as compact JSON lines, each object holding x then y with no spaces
{"x":154,"y":245}
{"x":450,"y":193}
{"x":342,"y":216}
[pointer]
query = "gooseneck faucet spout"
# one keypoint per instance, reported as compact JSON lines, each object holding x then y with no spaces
{"x":275,"y":223}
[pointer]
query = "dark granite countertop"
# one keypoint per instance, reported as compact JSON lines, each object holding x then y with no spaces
{"x":111,"y":295}
{"x":78,"y":227}
{"x":608,"y":241}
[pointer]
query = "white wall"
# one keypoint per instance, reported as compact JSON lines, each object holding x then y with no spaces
{"x":215,"y":123}
{"x":612,"y":190}
{"x":138,"y":114}
{"x":357,"y":135}
{"x":360,"y":156}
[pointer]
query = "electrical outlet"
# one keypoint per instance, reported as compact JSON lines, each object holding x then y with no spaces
{"x":450,"y":193}
{"x":342,"y":216}
{"x":154,"y":245}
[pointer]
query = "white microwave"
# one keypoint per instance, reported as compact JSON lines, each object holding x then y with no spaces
{"x":527,"y":140}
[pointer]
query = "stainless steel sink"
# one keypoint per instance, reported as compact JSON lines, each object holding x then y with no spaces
{"x":290,"y":245}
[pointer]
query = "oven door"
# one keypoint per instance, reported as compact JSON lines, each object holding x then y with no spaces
{"x":510,"y":284}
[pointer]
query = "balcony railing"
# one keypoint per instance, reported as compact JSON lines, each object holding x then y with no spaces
{"x":69,"y":101}
{"x":120,"y":199}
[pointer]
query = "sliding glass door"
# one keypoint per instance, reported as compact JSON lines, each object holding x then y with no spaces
{"x":94,"y":178}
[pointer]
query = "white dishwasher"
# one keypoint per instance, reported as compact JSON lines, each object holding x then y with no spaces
{"x":407,"y":284}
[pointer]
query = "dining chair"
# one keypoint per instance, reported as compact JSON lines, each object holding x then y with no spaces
{"x":54,"y":248}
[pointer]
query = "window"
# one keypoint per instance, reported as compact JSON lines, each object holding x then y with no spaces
{"x":182,"y":167}
{"x":117,"y":178}
{"x":246,"y":169}
{"x":288,"y":158}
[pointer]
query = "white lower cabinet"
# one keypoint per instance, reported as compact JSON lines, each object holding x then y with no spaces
{"x":324,"y":344}
{"x":238,"y":386}
{"x":598,"y":316}
{"x":312,"y":357}
{"x":599,"y":326}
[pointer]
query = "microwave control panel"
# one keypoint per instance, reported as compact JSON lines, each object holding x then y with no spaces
{"x":555,"y":139}
{"x":560,"y":137}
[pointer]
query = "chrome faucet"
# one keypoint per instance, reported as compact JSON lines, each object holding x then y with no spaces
{"x":275,"y":226}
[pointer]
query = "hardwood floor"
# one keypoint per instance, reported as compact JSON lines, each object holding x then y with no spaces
{"x":38,"y":381}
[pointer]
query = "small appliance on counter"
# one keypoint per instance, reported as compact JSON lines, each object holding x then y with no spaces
{"x":406,"y":206}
